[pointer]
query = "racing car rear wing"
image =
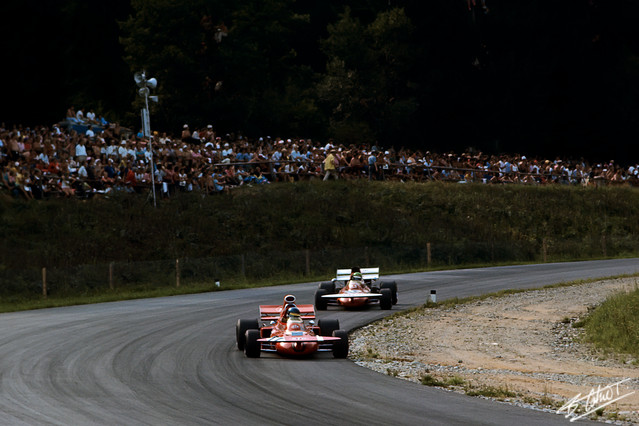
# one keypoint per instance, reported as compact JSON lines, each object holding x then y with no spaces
{"x":272,"y":312}
{"x":367,"y":274}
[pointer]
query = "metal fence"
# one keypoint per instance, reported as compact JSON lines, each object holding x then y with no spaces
{"x":264,"y":268}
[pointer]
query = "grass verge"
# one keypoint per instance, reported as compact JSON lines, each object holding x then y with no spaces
{"x":613,"y":327}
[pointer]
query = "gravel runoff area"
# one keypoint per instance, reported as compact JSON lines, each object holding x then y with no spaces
{"x":522,"y":347}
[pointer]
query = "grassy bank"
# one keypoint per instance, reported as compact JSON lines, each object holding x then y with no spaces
{"x":291,"y":232}
{"x":573,"y":222}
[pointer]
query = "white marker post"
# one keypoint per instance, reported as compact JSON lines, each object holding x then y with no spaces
{"x":433,"y":296}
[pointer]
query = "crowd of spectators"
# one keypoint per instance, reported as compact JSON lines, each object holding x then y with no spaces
{"x":52,"y":161}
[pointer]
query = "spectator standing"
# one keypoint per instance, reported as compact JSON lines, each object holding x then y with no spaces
{"x":186,"y":134}
{"x":372,"y":165}
{"x":14,"y":148}
{"x":207,"y":135}
{"x":330,"y":166}
{"x":123,"y":150}
{"x":195,"y":138}
{"x":80,"y":151}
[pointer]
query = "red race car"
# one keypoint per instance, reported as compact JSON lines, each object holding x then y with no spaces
{"x":290,"y":329}
{"x":355,"y":288}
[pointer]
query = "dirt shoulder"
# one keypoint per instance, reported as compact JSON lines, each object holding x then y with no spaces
{"x":520,"y":348}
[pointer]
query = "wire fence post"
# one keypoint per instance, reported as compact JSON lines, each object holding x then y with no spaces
{"x":428,"y":258}
{"x":177,"y":272}
{"x":308,"y":262}
{"x":44,"y":282}
{"x":111,"y":275}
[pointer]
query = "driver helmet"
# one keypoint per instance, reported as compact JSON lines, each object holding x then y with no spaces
{"x":294,"y":314}
{"x":357,"y":276}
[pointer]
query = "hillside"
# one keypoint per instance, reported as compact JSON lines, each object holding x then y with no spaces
{"x":320,"y":215}
{"x":396,"y":225}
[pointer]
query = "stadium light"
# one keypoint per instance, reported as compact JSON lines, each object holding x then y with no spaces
{"x":144,"y":91}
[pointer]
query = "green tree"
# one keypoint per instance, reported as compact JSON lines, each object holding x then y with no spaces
{"x":265,"y":85}
{"x":173,"y":41}
{"x":367,"y":83}
{"x":223,"y":62}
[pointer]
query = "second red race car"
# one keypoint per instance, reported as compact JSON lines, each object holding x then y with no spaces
{"x":356,"y":288}
{"x":290,"y":330}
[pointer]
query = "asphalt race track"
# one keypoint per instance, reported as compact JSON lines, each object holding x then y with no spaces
{"x":173,"y":361}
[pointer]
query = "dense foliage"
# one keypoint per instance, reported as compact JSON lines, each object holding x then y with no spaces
{"x":540,"y":78}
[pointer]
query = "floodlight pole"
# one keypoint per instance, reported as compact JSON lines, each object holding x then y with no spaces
{"x":150,"y":138}
{"x":144,"y":84}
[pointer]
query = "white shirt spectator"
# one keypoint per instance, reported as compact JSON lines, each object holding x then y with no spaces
{"x":82,"y":172}
{"x":295,"y":154}
{"x":80,"y":150}
{"x":43,"y":157}
{"x":112,"y":150}
{"x":122,"y":151}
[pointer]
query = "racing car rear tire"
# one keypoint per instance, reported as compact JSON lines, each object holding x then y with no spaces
{"x":340,"y":347}
{"x":327,"y":326}
{"x":393,"y":287}
{"x":386,"y":302}
{"x":329,"y":287}
{"x":320,"y":303}
{"x":252,"y":348}
{"x":240,"y":330}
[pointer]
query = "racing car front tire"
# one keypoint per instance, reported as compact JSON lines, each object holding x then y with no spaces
{"x":240,"y":330}
{"x":340,"y":347}
{"x":329,"y":287}
{"x":252,"y":348}
{"x":393,"y":287}
{"x":327,"y":326}
{"x":386,"y":302}
{"x":320,"y":302}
